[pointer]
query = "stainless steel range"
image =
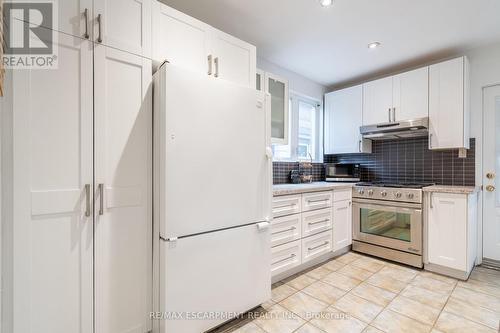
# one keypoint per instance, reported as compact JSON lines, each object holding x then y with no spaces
{"x":387,"y":221}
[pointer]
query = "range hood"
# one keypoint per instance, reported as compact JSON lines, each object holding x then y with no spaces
{"x":396,"y":130}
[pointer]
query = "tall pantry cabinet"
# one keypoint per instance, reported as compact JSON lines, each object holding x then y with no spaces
{"x":82,"y":149}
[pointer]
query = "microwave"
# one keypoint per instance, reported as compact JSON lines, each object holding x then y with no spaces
{"x":342,"y":172}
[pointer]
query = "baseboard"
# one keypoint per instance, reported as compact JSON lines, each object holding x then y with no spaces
{"x":455,"y":273}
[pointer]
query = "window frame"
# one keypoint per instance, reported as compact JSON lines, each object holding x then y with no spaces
{"x":293,"y":117}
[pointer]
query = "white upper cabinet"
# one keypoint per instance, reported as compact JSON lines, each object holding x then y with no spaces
{"x":411,"y":95}
{"x":343,"y":117}
{"x":377,"y":101}
{"x":187,"y":42}
{"x":277,"y":87}
{"x":449,"y":104}
{"x":180,"y":39}
{"x":234,"y":59}
{"x":124,"y":25}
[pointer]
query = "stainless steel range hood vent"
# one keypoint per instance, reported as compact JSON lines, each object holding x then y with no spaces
{"x":396,"y":130}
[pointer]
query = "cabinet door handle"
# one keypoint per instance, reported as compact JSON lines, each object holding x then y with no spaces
{"x":430,"y":140}
{"x":99,"y":24}
{"x":87,"y":200}
{"x":393,"y":114}
{"x":101,"y":199}
{"x":216,"y":63}
{"x":318,"y":246}
{"x":389,"y":111}
{"x":430,"y":200}
{"x":359,"y":146}
{"x":209,"y":58}
{"x":86,"y":14}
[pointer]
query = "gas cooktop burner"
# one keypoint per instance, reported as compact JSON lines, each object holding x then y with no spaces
{"x":394,"y":185}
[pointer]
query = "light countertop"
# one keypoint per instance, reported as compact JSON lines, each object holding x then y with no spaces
{"x":285,"y":189}
{"x":452,"y":189}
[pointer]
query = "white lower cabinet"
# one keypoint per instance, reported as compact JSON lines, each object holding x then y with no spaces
{"x":451,"y":233}
{"x":305,"y":227}
{"x":316,"y":245}
{"x":285,"y":257}
{"x":285,"y":229}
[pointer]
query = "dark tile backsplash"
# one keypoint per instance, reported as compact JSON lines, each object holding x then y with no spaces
{"x":402,"y":160}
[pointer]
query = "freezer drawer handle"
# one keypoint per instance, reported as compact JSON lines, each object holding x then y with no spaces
{"x":318,"y":246}
{"x":282,"y":231}
{"x":287,"y":258}
{"x":318,"y":222}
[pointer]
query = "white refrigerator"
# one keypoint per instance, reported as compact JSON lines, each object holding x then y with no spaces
{"x":212,"y":199}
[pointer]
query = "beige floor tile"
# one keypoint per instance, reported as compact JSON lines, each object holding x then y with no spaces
{"x":300,"y":282}
{"x":487,"y":270}
{"x":480,"y":286}
{"x":348,"y":257}
{"x":432,"y":285}
{"x":341,"y":281}
{"x":386,"y":282}
{"x":371,"y":329}
{"x":268,"y":304}
{"x":308,"y":328}
{"x":481,"y":275}
{"x":324,"y":292}
{"x":430,"y":298}
{"x":399,"y":273}
{"x":393,"y":322}
{"x":358,"y":307}
{"x":279,"y":320}
{"x":414,"y":310}
{"x":475,"y":298}
{"x":304,"y":305}
{"x":450,"y":323}
{"x":374,"y":294}
{"x":334,"y":321}
{"x":372,"y":265}
{"x":280,"y":293}
{"x":248,"y":328}
{"x":334,"y":265}
{"x":473,"y":312}
{"x":436,"y":331}
{"x":319,"y":273}
{"x":438,"y":277}
{"x":355,"y":272}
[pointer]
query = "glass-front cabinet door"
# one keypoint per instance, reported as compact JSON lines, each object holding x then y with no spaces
{"x":277,"y":87}
{"x":398,"y":227}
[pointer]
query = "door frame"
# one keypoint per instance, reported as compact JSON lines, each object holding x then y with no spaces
{"x":480,"y":181}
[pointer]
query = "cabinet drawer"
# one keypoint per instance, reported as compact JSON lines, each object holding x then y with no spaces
{"x":286,"y":205}
{"x":285,"y":229}
{"x":317,"y":200}
{"x":285,"y":257}
{"x":316,"y":221}
{"x":340,"y":195}
{"x":316,"y":245}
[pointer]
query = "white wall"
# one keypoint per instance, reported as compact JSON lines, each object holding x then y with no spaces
{"x":297,"y":82}
{"x":484,"y":71}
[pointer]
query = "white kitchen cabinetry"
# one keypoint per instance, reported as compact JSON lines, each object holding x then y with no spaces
{"x":316,"y":221}
{"x":449,"y":104}
{"x":317,"y":245}
{"x":316,"y":200}
{"x":451,"y":234}
{"x":411,"y":95}
{"x":342,"y":222}
{"x":285,"y":257}
{"x":396,"y":98}
{"x":343,"y":118}
{"x":187,"y":42}
{"x":277,"y":87}
{"x":286,"y":229}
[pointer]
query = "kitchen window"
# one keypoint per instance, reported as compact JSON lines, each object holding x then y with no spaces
{"x":305,"y":134}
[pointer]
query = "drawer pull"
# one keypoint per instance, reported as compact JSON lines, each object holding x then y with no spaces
{"x":286,"y":206}
{"x":319,"y":200}
{"x":318,"y":222}
{"x":287,"y":258}
{"x":282,"y":231}
{"x":317,"y":247}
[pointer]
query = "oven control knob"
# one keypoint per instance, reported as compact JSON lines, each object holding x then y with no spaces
{"x":383,"y":193}
{"x":398,"y":195}
{"x":361,"y":191}
{"x":370,"y":192}
{"x":410,"y":195}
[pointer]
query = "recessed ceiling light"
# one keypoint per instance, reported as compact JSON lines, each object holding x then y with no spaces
{"x":373,"y":45}
{"x":326,"y":3}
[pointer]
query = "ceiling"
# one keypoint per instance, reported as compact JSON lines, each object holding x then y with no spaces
{"x":329,"y":45}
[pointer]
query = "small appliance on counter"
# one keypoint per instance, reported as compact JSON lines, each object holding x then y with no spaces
{"x":342,"y":172}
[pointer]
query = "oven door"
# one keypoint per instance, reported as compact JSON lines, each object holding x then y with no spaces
{"x":394,"y":225}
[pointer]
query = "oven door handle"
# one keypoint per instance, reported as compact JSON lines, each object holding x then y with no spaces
{"x":383,"y":203}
